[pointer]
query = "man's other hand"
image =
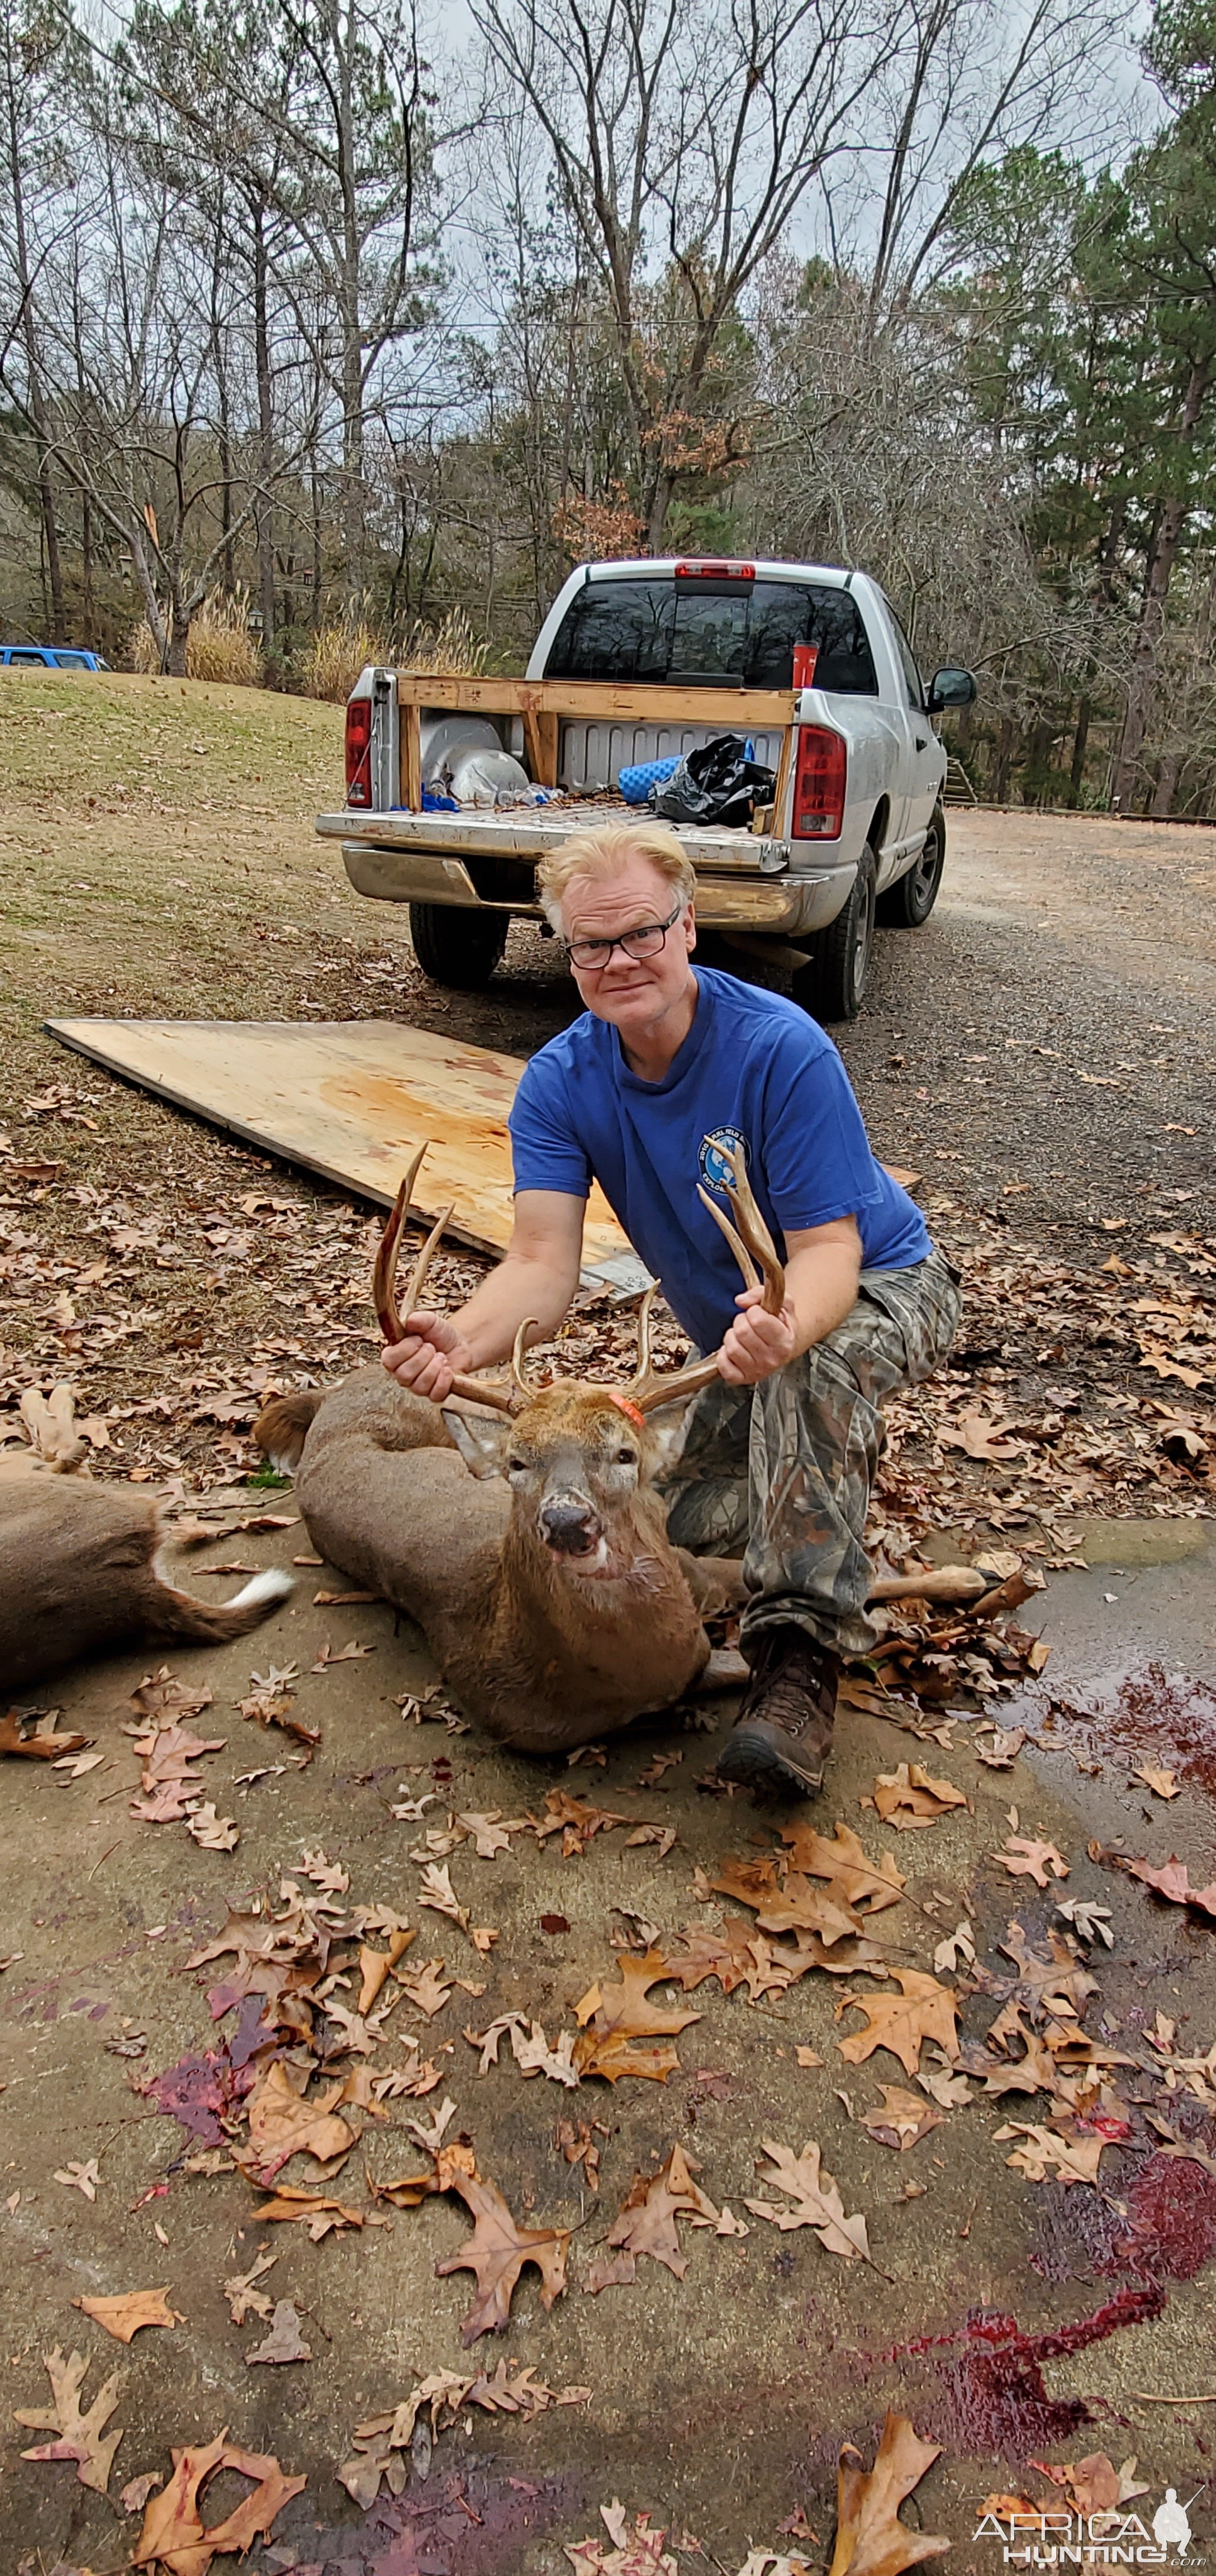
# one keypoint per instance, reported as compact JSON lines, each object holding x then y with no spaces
{"x":431,"y":1353}
{"x":758,"y":1344}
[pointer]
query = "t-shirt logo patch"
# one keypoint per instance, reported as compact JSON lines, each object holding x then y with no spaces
{"x":715,"y":1149}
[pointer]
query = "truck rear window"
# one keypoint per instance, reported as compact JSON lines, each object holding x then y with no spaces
{"x":701,"y":634}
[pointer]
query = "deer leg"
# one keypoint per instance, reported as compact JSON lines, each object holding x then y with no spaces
{"x":715,"y":1582}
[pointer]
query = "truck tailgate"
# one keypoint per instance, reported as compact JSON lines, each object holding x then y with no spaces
{"x":524,"y":834}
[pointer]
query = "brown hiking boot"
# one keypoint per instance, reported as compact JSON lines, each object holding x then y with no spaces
{"x":783,"y":1732}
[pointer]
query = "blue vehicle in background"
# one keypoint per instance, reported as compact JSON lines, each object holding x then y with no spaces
{"x":49,"y":657}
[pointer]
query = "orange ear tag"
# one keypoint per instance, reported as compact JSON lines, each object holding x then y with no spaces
{"x":623,"y":1405}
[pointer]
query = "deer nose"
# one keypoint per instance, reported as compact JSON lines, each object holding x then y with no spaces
{"x":570,"y":1526}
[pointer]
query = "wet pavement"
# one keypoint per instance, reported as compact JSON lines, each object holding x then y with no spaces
{"x":1011,"y":2319}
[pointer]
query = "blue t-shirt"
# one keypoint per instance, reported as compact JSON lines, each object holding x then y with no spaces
{"x":753,"y":1069}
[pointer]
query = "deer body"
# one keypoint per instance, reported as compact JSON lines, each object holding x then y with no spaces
{"x":79,"y":1576}
{"x":548,"y":1591}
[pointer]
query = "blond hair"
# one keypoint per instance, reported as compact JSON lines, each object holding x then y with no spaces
{"x":604,"y":853}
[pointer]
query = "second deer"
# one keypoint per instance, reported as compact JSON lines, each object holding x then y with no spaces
{"x":531,"y":1548}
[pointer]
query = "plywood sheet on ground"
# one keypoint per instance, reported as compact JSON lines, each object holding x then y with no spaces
{"x":352,"y":1101}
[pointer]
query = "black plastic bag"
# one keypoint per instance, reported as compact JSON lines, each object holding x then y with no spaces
{"x":717,"y":784}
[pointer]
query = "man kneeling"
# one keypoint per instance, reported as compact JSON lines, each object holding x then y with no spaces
{"x":668,"y":1070}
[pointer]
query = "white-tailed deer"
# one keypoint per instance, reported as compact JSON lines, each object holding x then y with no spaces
{"x":79,"y":1563}
{"x":531,"y":1549}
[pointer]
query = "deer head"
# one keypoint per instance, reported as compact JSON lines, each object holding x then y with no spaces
{"x":580,"y":1457}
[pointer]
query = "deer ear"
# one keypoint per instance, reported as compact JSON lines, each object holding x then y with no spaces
{"x":482,"y":1443}
{"x":668,"y":1431}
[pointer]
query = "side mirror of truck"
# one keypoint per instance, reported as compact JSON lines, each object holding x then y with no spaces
{"x":950,"y":687}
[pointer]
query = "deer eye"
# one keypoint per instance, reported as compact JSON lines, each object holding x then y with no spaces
{"x":517,"y":1466}
{"x":626,"y":1457}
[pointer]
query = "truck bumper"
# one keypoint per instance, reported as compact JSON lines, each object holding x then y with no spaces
{"x":776,"y":906}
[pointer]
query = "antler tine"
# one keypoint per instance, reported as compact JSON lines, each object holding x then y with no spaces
{"x":755,"y":1233}
{"x":757,"y":1256}
{"x":642,"y":1371}
{"x":384,"y":1277}
{"x":518,"y":1372}
{"x":751,"y":1276}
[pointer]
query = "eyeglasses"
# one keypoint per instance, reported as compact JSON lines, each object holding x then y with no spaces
{"x":590,"y":954}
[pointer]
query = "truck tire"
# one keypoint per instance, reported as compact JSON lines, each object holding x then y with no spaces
{"x":833,"y":986}
{"x":908,"y":904}
{"x":456,"y":947}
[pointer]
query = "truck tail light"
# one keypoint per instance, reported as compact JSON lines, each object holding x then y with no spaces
{"x":707,"y":571}
{"x":819,"y":784}
{"x":358,"y":751}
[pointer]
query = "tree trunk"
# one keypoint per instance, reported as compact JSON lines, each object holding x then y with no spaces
{"x":1080,"y":743}
{"x":1163,"y":794}
{"x":37,"y":405}
{"x":1162,"y":552}
{"x":264,"y":513}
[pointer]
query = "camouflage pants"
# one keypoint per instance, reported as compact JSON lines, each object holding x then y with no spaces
{"x":786,"y":1467}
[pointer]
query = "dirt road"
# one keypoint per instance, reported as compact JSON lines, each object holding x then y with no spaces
{"x":172,"y":1277}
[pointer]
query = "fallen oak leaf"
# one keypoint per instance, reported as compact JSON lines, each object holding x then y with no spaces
{"x":351,"y":1653}
{"x":42,"y":1744}
{"x":438,"y":1892}
{"x":124,"y":2315}
{"x":910,"y":1799}
{"x":426,"y":1988}
{"x":1172,"y":1881}
{"x":870,"y":2538}
{"x":646,"y":2223}
{"x":619,"y":2014}
{"x":81,"y":2433}
{"x":1026,"y":1858}
{"x":815,"y":2198}
{"x":241,"y":2294}
{"x":80,"y":2177}
{"x":861,"y":1882}
{"x":284,"y":2341}
{"x":213,"y":1832}
{"x":1162,"y":1783}
{"x":174,"y":2536}
{"x":899,"y":2120}
{"x":497,"y":2251}
{"x":318,"y":2213}
{"x":1075,"y":2160}
{"x":1090,"y":1922}
{"x":282,"y":2124}
{"x":924,"y":2010}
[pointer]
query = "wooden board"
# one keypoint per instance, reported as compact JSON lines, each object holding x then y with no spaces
{"x":352,"y":1100}
{"x":748,"y":709}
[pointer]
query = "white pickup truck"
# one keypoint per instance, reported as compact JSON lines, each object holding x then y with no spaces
{"x":635,"y":662}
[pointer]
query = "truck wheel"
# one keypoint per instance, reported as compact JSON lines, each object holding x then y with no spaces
{"x":833,"y":986}
{"x":456,"y":947}
{"x":906,"y":905}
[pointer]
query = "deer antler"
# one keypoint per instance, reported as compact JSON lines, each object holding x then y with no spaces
{"x":756,"y":1254}
{"x":384,"y":1280}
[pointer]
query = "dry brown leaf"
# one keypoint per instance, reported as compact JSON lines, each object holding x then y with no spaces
{"x":488,"y":1833}
{"x":646,"y":2223}
{"x":283,"y":2124}
{"x":924,"y":2010}
{"x":497,"y":2251}
{"x":162,"y":1696}
{"x":214,"y":1833}
{"x":1173,"y":1881}
{"x":319,"y":2213}
{"x":123,"y":2315}
{"x":794,"y":1905}
{"x":40,"y":1743}
{"x":1162,"y":1783}
{"x":80,"y":2177}
{"x":1025,"y":1858}
{"x":174,"y":2537}
{"x":619,"y":2014}
{"x":874,"y":1884}
{"x":426,"y":1988}
{"x":284,"y":2341}
{"x":910,"y":1798}
{"x":1075,"y":2159}
{"x":815,"y":2198}
{"x":170,"y":1787}
{"x":870,"y":2538}
{"x":899,"y":2120}
{"x":438,"y":1892}
{"x":979,"y":1437}
{"x":81,"y":2433}
{"x":241,"y":2294}
{"x":577,"y":1821}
